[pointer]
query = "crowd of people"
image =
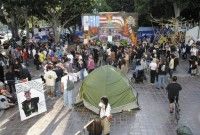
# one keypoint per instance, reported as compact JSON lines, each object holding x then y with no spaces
{"x":63,"y":65}
{"x":77,"y":61}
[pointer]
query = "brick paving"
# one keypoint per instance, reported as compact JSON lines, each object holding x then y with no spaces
{"x":153,"y":118}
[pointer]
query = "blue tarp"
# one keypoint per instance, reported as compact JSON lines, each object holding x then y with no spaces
{"x":145,"y":32}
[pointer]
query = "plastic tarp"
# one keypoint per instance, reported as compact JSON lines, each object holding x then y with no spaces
{"x":192,"y":34}
{"x":108,"y":81}
{"x":145,"y":31}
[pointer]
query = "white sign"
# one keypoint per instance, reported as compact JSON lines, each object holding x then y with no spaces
{"x":31,"y":100}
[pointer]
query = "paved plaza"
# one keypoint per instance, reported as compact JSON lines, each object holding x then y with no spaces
{"x":152,"y":119}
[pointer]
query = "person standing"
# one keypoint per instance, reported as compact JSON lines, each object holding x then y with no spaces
{"x":67,"y":86}
{"x":90,"y":64}
{"x":173,"y":93}
{"x":153,"y":67}
{"x":162,"y":72}
{"x":25,"y":56}
{"x":171,"y":65}
{"x":36,"y":60}
{"x":100,"y":59}
{"x":59,"y":73}
{"x":1,"y":73}
{"x":17,"y":68}
{"x":81,"y":68}
{"x":105,"y":115}
{"x":10,"y":78}
{"x":123,"y":66}
{"x":126,"y":58}
{"x":50,"y":78}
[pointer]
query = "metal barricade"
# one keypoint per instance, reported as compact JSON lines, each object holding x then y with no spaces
{"x":84,"y":131}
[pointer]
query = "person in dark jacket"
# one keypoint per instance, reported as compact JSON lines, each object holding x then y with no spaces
{"x":37,"y":61}
{"x":59,"y":72}
{"x":173,"y":93}
{"x":25,"y":74}
{"x":1,"y":73}
{"x":10,"y":78}
{"x":17,"y":68}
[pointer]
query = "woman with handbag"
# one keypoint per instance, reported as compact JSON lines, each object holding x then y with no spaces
{"x":105,"y":115}
{"x":67,"y":86}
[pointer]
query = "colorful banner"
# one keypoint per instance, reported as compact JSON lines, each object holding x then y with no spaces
{"x":118,"y":25}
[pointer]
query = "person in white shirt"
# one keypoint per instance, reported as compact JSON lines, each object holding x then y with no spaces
{"x":34,"y":52}
{"x":194,"y":51}
{"x":50,"y":78}
{"x":105,"y":115}
{"x":108,"y":51}
{"x":153,"y":67}
{"x":67,"y":86}
{"x":71,"y":57}
{"x":171,"y":65}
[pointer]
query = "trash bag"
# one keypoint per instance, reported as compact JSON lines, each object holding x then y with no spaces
{"x":184,"y":130}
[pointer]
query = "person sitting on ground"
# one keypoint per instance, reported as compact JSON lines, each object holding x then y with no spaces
{"x":6,"y":99}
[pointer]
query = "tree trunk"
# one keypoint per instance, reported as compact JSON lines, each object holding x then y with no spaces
{"x":56,"y":32}
{"x":14,"y":26}
{"x":26,"y":23}
{"x":177,"y":12}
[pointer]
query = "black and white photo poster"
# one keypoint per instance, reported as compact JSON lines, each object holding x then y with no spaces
{"x":31,"y":99}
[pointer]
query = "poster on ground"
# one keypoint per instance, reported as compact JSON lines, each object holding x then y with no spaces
{"x":31,"y":100}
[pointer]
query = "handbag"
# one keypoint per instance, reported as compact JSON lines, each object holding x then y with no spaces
{"x":70,"y":84}
{"x":85,"y":73}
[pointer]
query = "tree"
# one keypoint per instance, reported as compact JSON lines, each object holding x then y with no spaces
{"x":121,"y":5}
{"x":102,"y":6}
{"x":61,"y":12}
{"x":178,"y":5}
{"x":9,"y":16}
{"x":15,"y":14}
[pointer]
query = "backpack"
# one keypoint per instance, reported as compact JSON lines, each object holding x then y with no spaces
{"x":70,"y":84}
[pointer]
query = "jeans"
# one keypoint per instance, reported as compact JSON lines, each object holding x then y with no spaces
{"x":161,"y":81}
{"x":82,"y":74}
{"x":68,"y":98}
{"x":100,"y":61}
{"x":57,"y":91}
{"x":171,"y":72}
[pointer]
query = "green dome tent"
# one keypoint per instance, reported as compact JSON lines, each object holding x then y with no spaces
{"x":108,"y":81}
